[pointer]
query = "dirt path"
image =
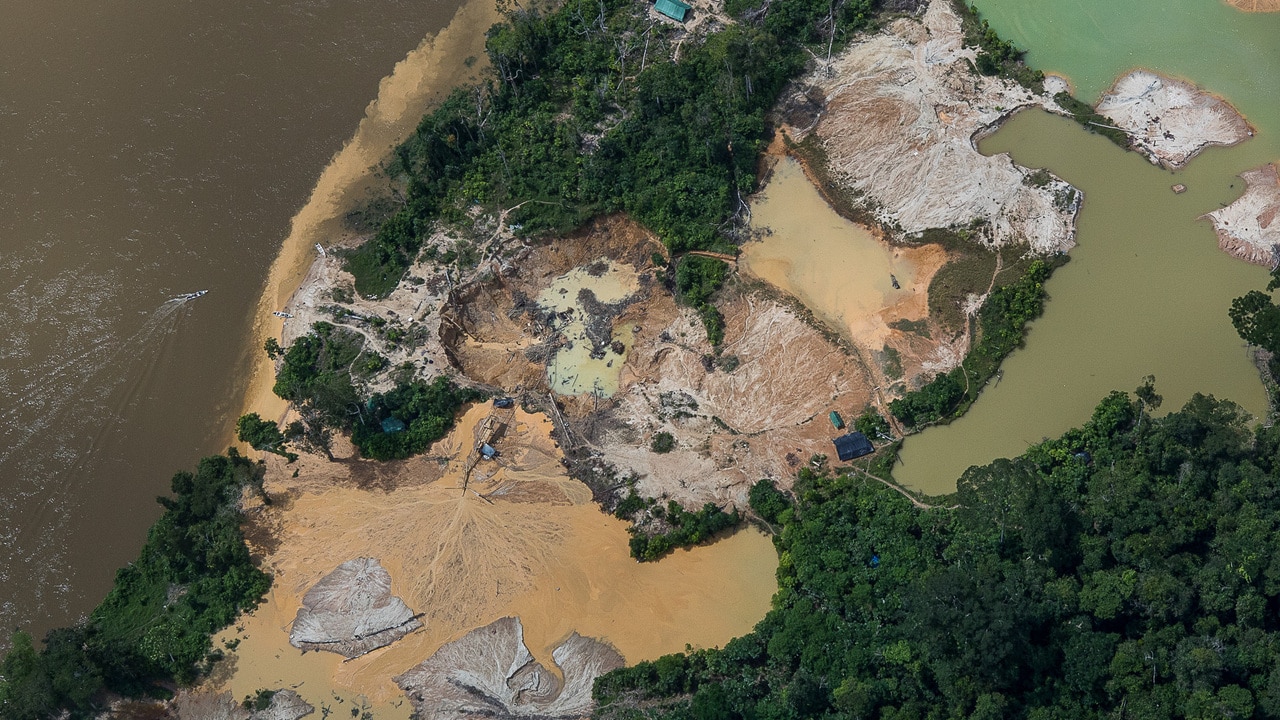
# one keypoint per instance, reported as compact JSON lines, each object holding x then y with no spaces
{"x":902,"y":492}
{"x":731,"y":259}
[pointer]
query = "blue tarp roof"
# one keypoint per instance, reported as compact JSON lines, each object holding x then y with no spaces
{"x":853,"y":445}
{"x":673,"y":9}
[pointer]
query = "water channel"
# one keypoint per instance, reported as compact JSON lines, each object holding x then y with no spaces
{"x":1147,"y":290}
{"x":151,"y":149}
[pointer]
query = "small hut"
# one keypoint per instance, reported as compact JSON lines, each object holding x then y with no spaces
{"x":673,"y":9}
{"x":853,"y":445}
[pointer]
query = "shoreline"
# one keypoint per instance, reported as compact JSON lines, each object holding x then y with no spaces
{"x":1254,"y":6}
{"x":417,"y":82}
{"x":1150,"y":107}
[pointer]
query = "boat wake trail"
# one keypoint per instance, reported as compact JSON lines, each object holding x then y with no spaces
{"x":50,"y":427}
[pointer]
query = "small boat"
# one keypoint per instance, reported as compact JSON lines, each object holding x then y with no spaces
{"x":281,"y":313}
{"x":320,"y":249}
{"x":188,"y":296}
{"x":894,"y":279}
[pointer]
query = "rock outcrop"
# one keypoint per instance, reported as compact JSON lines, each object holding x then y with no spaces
{"x":1171,"y":121}
{"x":351,"y":611}
{"x":1249,"y":228}
{"x":902,"y":113}
{"x":489,"y":672}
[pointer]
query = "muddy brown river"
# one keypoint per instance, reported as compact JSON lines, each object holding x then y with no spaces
{"x":150,"y":149}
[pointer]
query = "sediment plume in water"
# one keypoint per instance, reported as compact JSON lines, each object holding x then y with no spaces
{"x":441,"y":62}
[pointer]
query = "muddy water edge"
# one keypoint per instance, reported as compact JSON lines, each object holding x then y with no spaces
{"x":525,"y":541}
{"x":151,"y":149}
{"x":1147,"y":289}
{"x":835,"y":267}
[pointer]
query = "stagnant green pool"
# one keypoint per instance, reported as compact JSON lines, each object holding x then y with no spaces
{"x":1147,"y":289}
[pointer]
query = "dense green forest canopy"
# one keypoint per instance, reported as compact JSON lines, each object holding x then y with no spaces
{"x":1257,"y":320}
{"x":588,"y":111}
{"x":1127,"y":569}
{"x":193,"y":577}
{"x":316,"y":376}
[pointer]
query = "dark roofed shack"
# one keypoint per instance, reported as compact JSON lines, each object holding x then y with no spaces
{"x":853,"y":445}
{"x":673,"y":9}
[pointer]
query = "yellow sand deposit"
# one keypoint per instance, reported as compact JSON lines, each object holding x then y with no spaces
{"x":533,"y":546}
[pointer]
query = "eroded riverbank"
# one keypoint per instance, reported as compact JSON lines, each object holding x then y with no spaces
{"x":352,"y":179}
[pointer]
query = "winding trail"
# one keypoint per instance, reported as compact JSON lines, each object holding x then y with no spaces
{"x":904,"y":493}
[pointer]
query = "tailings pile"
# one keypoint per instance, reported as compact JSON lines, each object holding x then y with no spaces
{"x":352,"y":611}
{"x":903,"y":111}
{"x":490,"y":672}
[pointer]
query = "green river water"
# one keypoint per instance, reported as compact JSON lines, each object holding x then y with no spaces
{"x":1147,"y":289}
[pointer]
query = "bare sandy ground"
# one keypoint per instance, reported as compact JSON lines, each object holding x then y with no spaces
{"x":807,"y":335}
{"x":1255,"y":5}
{"x":902,"y":114}
{"x":1171,"y":121}
{"x":534,"y":546}
{"x":490,"y":669}
{"x":1249,"y":228}
{"x":763,"y":419}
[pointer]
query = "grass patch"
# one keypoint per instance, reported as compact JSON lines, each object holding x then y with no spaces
{"x":663,"y":442}
{"x":1002,"y":324}
{"x":891,"y":362}
{"x":1037,"y":179}
{"x":919,"y":327}
{"x":969,"y":273}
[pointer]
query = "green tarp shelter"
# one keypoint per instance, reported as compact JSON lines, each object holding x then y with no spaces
{"x":673,"y":9}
